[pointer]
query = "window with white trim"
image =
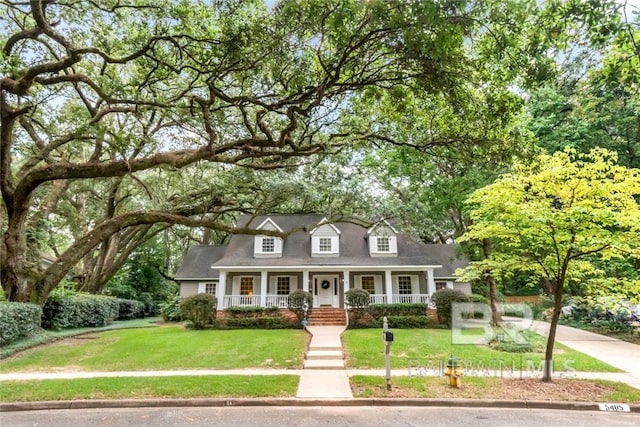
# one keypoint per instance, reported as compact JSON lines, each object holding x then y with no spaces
{"x":246,"y":285}
{"x":324,"y":244}
{"x":268,"y":244}
{"x":382,"y":243}
{"x":368,"y":284}
{"x":210,"y":288}
{"x":404,"y":285}
{"x":441,"y":285}
{"x":283,"y":285}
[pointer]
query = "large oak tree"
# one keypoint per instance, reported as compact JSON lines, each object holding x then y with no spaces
{"x":102,"y":102}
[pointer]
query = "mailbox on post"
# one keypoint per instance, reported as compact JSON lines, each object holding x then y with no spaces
{"x":387,"y":337}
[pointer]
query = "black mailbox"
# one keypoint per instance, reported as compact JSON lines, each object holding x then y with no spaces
{"x":388,"y":336}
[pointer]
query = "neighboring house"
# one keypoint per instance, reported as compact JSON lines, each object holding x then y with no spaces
{"x":326,"y":259}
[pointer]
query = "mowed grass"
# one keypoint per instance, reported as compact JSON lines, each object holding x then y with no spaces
{"x":165,"y":348}
{"x":150,"y":387}
{"x":416,"y":347}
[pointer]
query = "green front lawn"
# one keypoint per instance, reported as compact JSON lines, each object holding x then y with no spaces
{"x":150,"y":387}
{"x":416,"y":347}
{"x":165,"y":348}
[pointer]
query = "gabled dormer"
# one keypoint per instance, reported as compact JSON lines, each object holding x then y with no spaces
{"x":325,"y":240}
{"x":267,"y":246}
{"x":382,"y":239}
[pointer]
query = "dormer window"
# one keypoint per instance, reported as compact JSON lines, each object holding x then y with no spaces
{"x":382,"y":239}
{"x":382,"y":243}
{"x":325,"y":240}
{"x":324,"y":244}
{"x":267,"y":246}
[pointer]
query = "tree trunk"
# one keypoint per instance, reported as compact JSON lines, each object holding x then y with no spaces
{"x":558,"y":291}
{"x":496,"y":317}
{"x":14,"y":277}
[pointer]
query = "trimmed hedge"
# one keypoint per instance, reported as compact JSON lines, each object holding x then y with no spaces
{"x":18,"y":320}
{"x":407,"y":322}
{"x":255,"y":323}
{"x":400,"y":322}
{"x":76,"y":310}
{"x":252,"y":311}
{"x":378,"y":311}
{"x":130,"y":309}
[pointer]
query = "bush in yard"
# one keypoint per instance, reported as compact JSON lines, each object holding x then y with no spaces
{"x":130,"y":309}
{"x":199,"y":309}
{"x":151,"y":308}
{"x":378,"y":311}
{"x":296,"y":302}
{"x":170,"y":309}
{"x":478,"y":298}
{"x":357,"y":300}
{"x":444,"y":300}
{"x":69,"y":309}
{"x":407,"y":322}
{"x":18,"y":320}
{"x":267,"y":322}
{"x":252,"y":311}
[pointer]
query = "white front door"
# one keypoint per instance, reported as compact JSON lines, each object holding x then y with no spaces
{"x":325,"y":290}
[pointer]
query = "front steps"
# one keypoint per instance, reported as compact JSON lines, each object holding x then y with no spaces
{"x":322,"y":316}
{"x":325,"y":349}
{"x":325,"y":358}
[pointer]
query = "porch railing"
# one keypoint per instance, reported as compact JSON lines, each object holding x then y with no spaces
{"x":399,"y":298}
{"x":412,"y":298}
{"x":280,"y":301}
{"x":241,"y":300}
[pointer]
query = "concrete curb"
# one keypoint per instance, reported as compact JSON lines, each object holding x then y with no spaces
{"x":242,"y":402}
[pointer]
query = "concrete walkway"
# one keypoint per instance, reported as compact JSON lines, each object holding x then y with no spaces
{"x":617,"y":353}
{"x":324,"y":375}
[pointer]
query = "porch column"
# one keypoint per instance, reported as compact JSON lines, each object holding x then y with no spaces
{"x":431,"y":283}
{"x":389,"y":285}
{"x":305,"y":280}
{"x":220,"y":290}
{"x":263,"y":289}
{"x":345,"y":287}
{"x":345,"y":280}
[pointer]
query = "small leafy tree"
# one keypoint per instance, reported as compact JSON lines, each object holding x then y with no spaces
{"x":551,"y":218}
{"x":444,"y":299}
{"x":199,"y":309}
{"x":296,"y":303}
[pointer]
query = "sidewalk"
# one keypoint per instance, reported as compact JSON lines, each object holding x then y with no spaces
{"x":617,"y":353}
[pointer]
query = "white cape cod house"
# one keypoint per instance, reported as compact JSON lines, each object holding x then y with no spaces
{"x":326,"y":259}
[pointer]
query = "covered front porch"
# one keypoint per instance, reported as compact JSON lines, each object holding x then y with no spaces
{"x":272,"y":287}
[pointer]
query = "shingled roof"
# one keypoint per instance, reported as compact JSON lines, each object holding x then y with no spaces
{"x":197,"y":262}
{"x":354,"y":250}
